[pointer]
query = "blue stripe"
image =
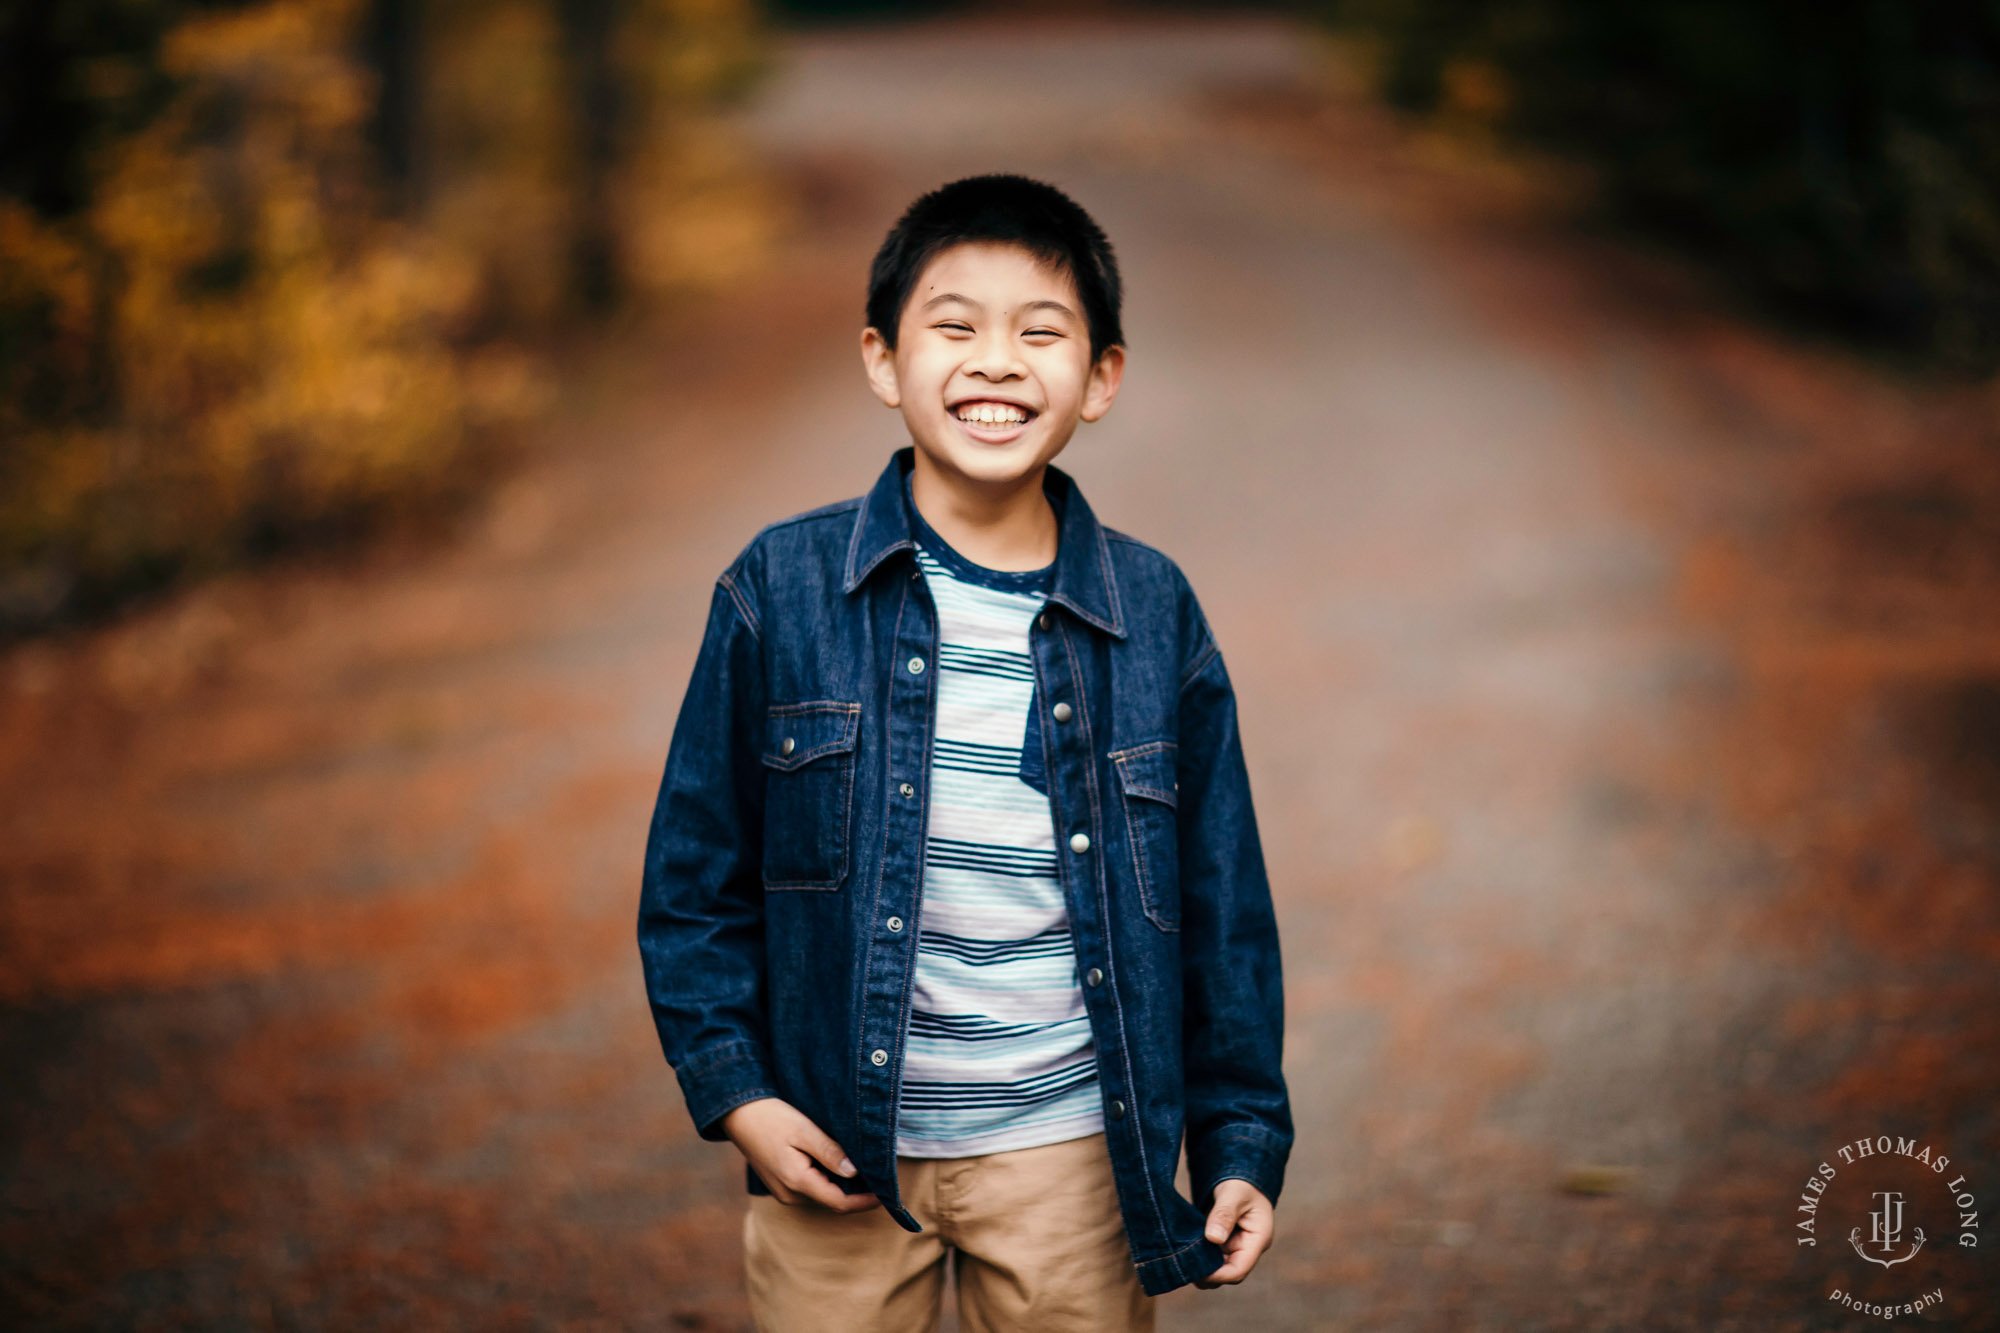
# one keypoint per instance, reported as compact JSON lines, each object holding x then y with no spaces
{"x":1026,"y":1092}
{"x":985,"y":662}
{"x":978,"y":1027}
{"x":995,"y":858}
{"x":975,"y":757}
{"x":985,"y":953}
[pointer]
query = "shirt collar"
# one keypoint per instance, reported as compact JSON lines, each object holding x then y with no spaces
{"x":1083,"y":579}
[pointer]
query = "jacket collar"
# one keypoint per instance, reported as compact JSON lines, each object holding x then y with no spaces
{"x":1083,"y":579}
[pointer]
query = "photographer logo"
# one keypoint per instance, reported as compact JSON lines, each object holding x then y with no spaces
{"x":1892,"y":1200}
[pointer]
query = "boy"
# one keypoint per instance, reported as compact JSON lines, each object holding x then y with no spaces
{"x":954,"y":916}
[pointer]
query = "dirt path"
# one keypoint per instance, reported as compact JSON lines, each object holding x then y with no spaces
{"x":1621,"y":690}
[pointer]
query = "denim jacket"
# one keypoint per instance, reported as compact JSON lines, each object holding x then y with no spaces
{"x":789,"y":835}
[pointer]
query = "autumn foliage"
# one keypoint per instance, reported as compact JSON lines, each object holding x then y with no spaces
{"x":246,"y":333}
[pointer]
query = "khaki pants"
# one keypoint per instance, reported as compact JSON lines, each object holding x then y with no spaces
{"x":1035,"y":1235}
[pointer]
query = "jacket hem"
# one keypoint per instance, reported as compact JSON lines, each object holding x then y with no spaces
{"x":719,"y":1081}
{"x":1190,"y":1263}
{"x":1238,"y":1152}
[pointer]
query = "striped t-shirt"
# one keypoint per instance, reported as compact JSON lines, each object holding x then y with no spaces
{"x":999,"y":1053}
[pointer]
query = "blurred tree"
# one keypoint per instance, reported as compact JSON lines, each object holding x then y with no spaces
{"x":588,"y":29}
{"x":263,"y":265}
{"x":822,"y":11}
{"x":392,"y":43}
{"x":73,"y":78}
{"x":1843,"y":158}
{"x":221,"y":348}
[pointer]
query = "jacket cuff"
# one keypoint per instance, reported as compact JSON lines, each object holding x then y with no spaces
{"x":1241,"y":1152}
{"x":718,"y":1081}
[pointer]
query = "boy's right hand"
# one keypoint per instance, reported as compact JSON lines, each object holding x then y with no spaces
{"x":782,"y":1145}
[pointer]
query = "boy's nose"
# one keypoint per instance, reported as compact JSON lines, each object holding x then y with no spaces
{"x":994,"y":354}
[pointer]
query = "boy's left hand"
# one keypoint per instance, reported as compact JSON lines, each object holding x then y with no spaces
{"x":1242,"y":1222}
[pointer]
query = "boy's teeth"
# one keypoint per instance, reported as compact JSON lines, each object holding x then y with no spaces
{"x":987,"y":414}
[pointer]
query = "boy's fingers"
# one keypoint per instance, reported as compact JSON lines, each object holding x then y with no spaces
{"x":857,"y":1203}
{"x":1220,"y":1277}
{"x":812,"y":1185}
{"x":1222,"y":1218}
{"x":1244,"y":1224}
{"x":820,"y":1144}
{"x":1243,"y":1255}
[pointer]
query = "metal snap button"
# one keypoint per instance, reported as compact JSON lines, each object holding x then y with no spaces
{"x":1094,"y":976}
{"x":1043,"y":620}
{"x":787,"y":747}
{"x":880,"y":1057}
{"x":895,"y":923}
{"x":1061,"y":712}
{"x":908,"y":790}
{"x":916,"y":666}
{"x":1079,"y":842}
{"x":1117,"y":1110}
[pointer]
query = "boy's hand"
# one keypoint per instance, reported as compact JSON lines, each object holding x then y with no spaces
{"x":782,"y":1144}
{"x":1243,"y":1207}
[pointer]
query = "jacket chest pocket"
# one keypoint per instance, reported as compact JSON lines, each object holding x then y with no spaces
{"x":1152,"y":801}
{"x":808,"y":793}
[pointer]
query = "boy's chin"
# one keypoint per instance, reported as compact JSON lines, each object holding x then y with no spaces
{"x":997,"y":463}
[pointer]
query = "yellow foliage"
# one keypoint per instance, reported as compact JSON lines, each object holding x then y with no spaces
{"x":276,"y":354}
{"x":232,"y":341}
{"x":689,"y":208}
{"x":500,"y":144}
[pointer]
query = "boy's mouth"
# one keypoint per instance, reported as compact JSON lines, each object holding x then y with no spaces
{"x":991,"y":419}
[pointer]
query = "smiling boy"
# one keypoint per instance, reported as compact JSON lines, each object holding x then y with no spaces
{"x":954,"y":915}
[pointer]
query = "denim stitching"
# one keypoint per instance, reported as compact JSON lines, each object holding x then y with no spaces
{"x":1173,"y":1259}
{"x":854,"y":576}
{"x":1110,"y":581}
{"x":745,"y":1051}
{"x":916,"y":911}
{"x":1201,"y":661}
{"x":1133,"y":838}
{"x":742,"y":606}
{"x":854,"y":545}
{"x":1248,"y":1131}
{"x":849,"y":732}
{"x":866,"y":970}
{"x":1171,"y":797}
{"x":845,"y":820}
{"x":1104,"y":912}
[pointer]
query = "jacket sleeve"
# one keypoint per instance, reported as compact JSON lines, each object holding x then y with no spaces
{"x":701,"y":901}
{"x":1239,"y":1121}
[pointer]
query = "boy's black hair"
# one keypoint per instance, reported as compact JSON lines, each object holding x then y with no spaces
{"x":1010,"y":209}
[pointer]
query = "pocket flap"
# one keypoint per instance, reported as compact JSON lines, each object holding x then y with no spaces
{"x":1148,"y":771}
{"x":796,"y":734}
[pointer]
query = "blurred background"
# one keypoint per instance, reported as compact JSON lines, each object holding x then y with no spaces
{"x":1581,"y":424}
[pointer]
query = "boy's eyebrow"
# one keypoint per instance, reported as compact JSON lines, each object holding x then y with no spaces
{"x":942,"y":297}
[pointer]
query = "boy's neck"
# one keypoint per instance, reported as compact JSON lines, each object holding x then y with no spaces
{"x":1007,"y":528}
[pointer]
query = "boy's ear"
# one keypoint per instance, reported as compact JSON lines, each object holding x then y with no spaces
{"x":879,"y":363}
{"x":1105,"y":377}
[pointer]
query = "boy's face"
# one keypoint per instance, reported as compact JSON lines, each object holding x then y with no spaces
{"x":990,"y":331}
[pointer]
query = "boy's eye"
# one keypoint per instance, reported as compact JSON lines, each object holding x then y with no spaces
{"x":957,"y":327}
